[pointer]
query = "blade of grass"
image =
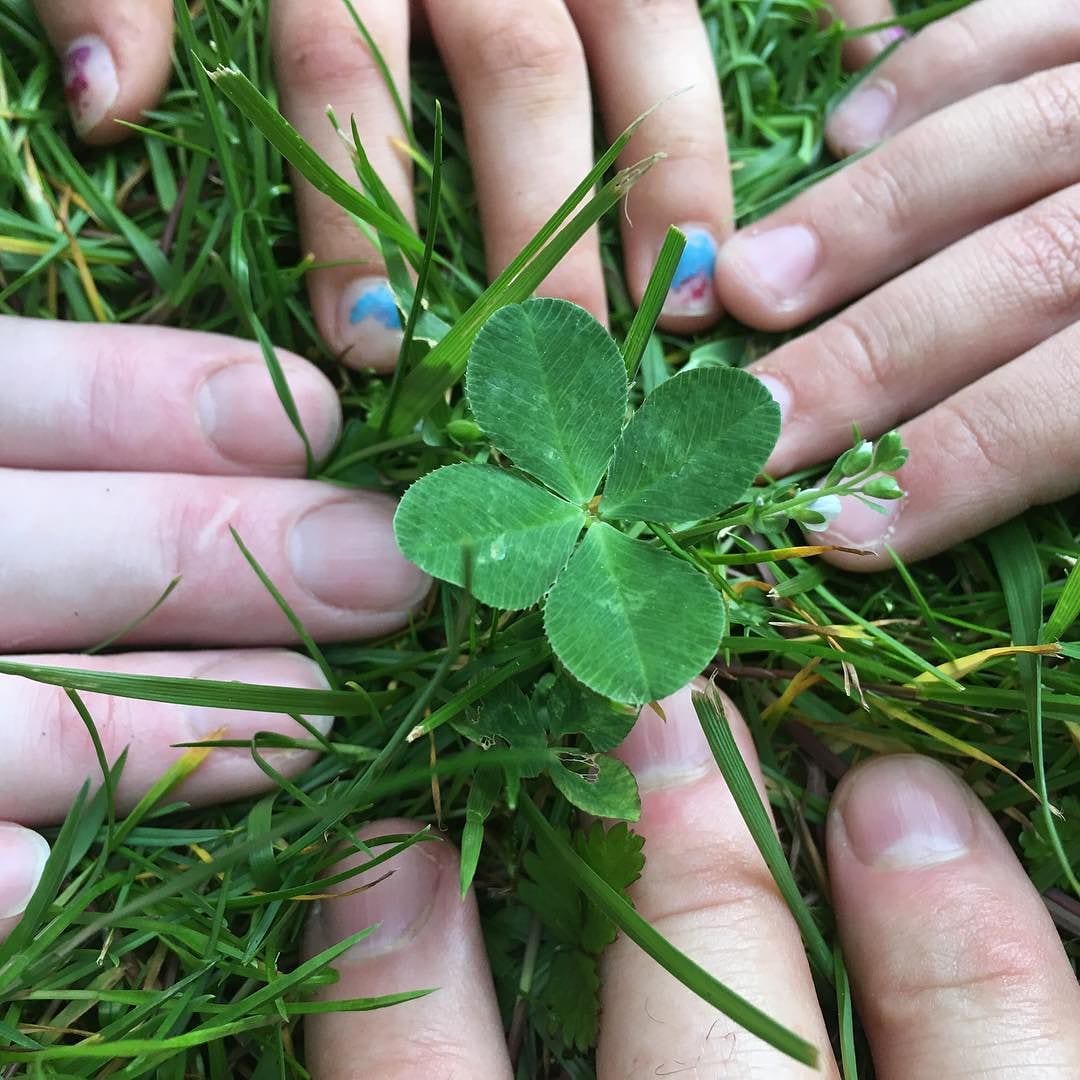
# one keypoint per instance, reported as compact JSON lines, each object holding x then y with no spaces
{"x":246,"y":697}
{"x":309,"y":643}
{"x":1067,"y":607}
{"x":652,"y":303}
{"x":1020,"y":573}
{"x":676,"y":963}
{"x":239,"y":89}
{"x":741,"y":784}
{"x":441,"y":368}
{"x":417,"y":306}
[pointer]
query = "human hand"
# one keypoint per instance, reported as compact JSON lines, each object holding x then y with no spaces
{"x":971,"y":207}
{"x":125,"y":455}
{"x":956,"y":966}
{"x":520,"y":69}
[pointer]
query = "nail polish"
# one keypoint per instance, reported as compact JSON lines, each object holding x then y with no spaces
{"x":692,"y":289}
{"x":90,"y":82}
{"x":369,"y":324}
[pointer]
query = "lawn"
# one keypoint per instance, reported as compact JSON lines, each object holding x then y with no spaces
{"x":172,"y":933}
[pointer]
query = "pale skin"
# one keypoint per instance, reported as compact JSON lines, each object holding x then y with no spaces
{"x":975,"y":290}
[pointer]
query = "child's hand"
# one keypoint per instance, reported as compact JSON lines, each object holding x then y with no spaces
{"x":520,"y":70}
{"x":126,"y":453}
{"x":956,"y":967}
{"x":972,"y":207}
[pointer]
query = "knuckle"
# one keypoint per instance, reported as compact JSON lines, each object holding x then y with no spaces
{"x":1043,"y":256}
{"x":692,"y":885}
{"x":514,"y":49}
{"x":880,"y":193}
{"x":958,"y":39}
{"x":852,"y":352}
{"x":194,"y":527}
{"x":645,"y":12}
{"x":107,"y":377}
{"x":1053,"y":101}
{"x":982,"y":957}
{"x":976,"y":443}
{"x":320,"y":56}
{"x":68,"y":738}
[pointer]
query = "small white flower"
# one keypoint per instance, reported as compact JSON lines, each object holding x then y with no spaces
{"x":828,"y":506}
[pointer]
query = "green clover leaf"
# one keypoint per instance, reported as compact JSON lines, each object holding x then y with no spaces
{"x":547,"y":385}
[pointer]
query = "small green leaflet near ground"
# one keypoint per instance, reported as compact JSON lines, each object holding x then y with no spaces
{"x":547,"y":385}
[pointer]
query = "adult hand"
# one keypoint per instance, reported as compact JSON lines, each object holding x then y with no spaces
{"x":971,"y":207}
{"x":520,"y":69}
{"x":125,"y":455}
{"x":956,"y":966}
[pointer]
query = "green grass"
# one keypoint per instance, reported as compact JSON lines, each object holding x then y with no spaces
{"x":190,"y":969}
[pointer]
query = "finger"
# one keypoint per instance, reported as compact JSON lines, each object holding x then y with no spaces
{"x":46,"y":739}
{"x":956,"y":966}
{"x":206,"y":403}
{"x":115,"y":56}
{"x":705,"y":887}
{"x":23,"y":854}
{"x":640,"y":55}
{"x":862,"y":49}
{"x":913,"y":196}
{"x":990,"y":42}
{"x":928,"y":333}
{"x":321,"y":60}
{"x":331,"y":554}
{"x":988,"y":453}
{"x":519,"y":72}
{"x":426,"y":937}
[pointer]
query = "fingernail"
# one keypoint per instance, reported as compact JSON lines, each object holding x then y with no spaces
{"x":345,"y":555}
{"x":781,"y":394}
{"x":370,"y":324}
{"x":868,"y":523}
{"x":90,"y":83}
{"x":692,"y":289}
{"x":401,"y":903}
{"x":903,"y":812}
{"x":23,"y":854}
{"x":666,"y":752}
{"x":862,"y":118}
{"x":779,"y":261}
{"x":261,"y":667}
{"x":240,"y":413}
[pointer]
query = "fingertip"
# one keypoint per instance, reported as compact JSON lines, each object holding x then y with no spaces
{"x":23,"y":854}
{"x":115,"y":61}
{"x":692,"y":302}
{"x":763,"y":273}
{"x":366,"y":331}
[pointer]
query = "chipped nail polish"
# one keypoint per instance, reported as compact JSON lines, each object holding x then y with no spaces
{"x":370,"y":324}
{"x":692,"y":291}
{"x":90,"y":82}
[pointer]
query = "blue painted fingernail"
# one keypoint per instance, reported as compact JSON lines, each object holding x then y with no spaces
{"x":692,"y":291}
{"x":370,"y":324}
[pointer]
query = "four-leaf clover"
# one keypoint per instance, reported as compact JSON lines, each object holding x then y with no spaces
{"x":548,"y":386}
